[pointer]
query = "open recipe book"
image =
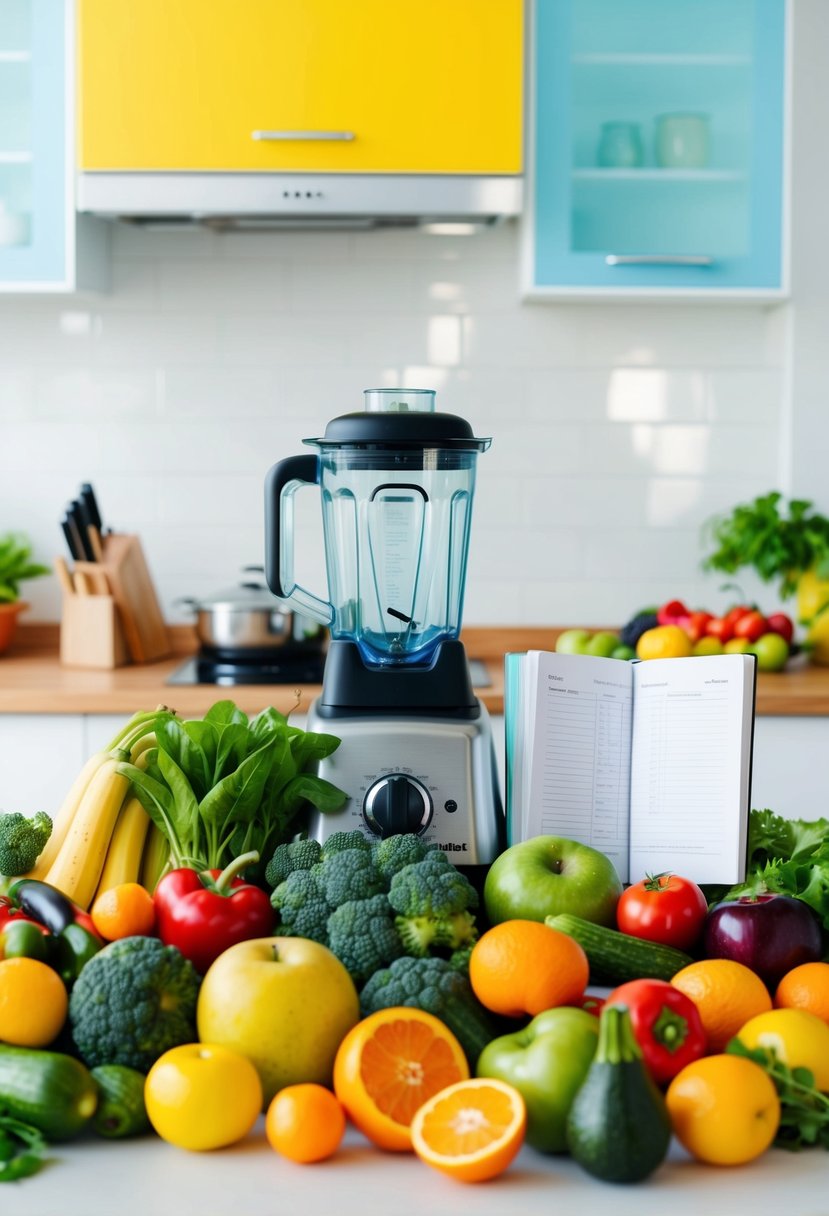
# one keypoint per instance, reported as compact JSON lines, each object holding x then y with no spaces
{"x":649,"y":762}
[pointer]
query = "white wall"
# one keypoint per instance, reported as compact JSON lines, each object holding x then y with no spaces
{"x":617,"y":428}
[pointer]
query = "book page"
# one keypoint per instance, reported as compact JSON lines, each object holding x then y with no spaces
{"x":690,"y":762}
{"x":579,"y":731}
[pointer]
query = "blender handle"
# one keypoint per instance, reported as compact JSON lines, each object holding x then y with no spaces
{"x":281,"y":483}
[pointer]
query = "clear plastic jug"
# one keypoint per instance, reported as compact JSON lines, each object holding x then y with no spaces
{"x":397,"y":483}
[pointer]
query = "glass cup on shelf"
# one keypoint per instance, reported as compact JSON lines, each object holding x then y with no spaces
{"x":620,"y":146}
{"x":682,"y":141}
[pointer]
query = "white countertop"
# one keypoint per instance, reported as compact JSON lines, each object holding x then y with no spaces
{"x":94,"y":1177}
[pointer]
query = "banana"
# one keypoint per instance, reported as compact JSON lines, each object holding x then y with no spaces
{"x":154,"y":859}
{"x":80,"y":860}
{"x":66,"y":814}
{"x":123,"y":859}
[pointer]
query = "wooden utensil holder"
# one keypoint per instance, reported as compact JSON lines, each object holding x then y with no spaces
{"x":123,"y":572}
{"x":90,"y":632}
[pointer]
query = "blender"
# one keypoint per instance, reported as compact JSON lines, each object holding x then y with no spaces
{"x":396,"y":482}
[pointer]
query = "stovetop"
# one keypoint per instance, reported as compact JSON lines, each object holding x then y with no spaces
{"x":296,"y":669}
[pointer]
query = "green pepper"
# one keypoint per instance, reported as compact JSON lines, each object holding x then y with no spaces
{"x":22,"y":939}
{"x":71,"y":951}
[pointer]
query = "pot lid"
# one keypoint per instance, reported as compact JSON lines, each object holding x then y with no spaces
{"x":400,"y":418}
{"x":251,"y":594}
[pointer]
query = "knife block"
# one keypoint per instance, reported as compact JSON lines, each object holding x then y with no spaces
{"x":90,"y":632}
{"x":124,"y":570}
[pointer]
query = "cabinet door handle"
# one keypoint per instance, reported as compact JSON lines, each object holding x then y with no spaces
{"x":326,"y":136}
{"x":658,"y":259}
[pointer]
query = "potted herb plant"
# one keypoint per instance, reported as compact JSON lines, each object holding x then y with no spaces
{"x":786,"y":544}
{"x":16,"y":565}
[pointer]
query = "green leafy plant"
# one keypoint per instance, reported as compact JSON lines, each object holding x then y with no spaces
{"x":16,"y":565}
{"x":804,"y":1110}
{"x":778,"y":541}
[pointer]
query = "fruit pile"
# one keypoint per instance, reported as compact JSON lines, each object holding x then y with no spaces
{"x":673,"y":631}
{"x":359,"y":982}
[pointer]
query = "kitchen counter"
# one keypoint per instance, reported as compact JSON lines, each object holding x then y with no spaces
{"x":96,"y":1177}
{"x":33,"y":681}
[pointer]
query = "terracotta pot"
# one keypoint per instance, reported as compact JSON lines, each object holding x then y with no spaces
{"x":8,"y":622}
{"x":813,"y":612}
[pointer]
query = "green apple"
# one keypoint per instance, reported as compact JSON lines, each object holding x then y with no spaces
{"x":547,"y":1063}
{"x":572,"y":641}
{"x":708,"y":645}
{"x":737,"y":646}
{"x":772,"y":651}
{"x":602,"y":644}
{"x":623,"y":652}
{"x":546,"y":875}
{"x":284,"y":1002}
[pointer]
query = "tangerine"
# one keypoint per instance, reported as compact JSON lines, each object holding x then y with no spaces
{"x":524,"y":967}
{"x":726,"y":994}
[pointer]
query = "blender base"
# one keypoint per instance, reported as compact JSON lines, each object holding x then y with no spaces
{"x":452,"y":759}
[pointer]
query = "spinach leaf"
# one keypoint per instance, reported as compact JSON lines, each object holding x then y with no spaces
{"x":179,"y":744}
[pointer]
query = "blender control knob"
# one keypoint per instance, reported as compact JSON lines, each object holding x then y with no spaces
{"x":397,"y":804}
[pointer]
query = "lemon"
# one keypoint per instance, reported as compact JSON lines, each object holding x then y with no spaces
{"x":664,"y":642}
{"x":798,"y":1038}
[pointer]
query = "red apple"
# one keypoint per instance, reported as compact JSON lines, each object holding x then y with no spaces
{"x":671,"y":613}
{"x":778,"y":622}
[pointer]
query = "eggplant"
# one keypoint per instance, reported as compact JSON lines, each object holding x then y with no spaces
{"x":47,"y":905}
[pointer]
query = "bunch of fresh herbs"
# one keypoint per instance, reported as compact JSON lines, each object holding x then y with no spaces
{"x":778,"y":542}
{"x":224,"y":785}
{"x":804,"y":1110}
{"x":16,"y":565}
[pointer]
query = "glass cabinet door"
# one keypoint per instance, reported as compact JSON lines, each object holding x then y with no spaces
{"x":32,"y":142}
{"x":658,"y":144}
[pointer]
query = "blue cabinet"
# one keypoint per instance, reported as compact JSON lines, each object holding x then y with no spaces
{"x":44,"y":246}
{"x":657,"y":155}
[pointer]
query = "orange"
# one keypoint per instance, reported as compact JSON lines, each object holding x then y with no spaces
{"x":726,"y":994}
{"x":798,"y":1038}
{"x":33,"y":1003}
{"x":724,"y":1109}
{"x":124,"y":911}
{"x":388,"y":1065}
{"x":472,"y":1130}
{"x":664,"y":642}
{"x":805,"y":987}
{"x":305,"y":1123}
{"x":523,"y":966}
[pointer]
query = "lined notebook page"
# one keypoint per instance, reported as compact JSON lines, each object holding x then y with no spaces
{"x":689,"y":773}
{"x":577,"y":775}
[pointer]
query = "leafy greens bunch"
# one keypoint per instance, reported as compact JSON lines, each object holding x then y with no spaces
{"x":804,"y":1110}
{"x":787,"y":857}
{"x":224,"y":785}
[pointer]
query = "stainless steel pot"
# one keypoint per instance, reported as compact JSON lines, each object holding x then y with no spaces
{"x":248,"y":617}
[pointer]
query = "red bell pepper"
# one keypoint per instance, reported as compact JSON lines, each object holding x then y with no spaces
{"x":202,"y":914}
{"x":668,"y":1029}
{"x":9,"y":912}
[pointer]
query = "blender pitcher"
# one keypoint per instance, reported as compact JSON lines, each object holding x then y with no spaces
{"x":397,"y":482}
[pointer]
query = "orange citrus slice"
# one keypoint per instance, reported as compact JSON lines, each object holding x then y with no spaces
{"x":472,"y":1130}
{"x":388,"y":1065}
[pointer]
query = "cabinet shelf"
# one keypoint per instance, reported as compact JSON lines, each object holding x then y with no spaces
{"x":645,"y":59}
{"x":658,"y":175}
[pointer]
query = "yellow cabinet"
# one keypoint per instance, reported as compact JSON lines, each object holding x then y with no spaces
{"x":330,"y":86}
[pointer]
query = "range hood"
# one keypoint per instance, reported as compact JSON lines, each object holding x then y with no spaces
{"x":264,"y":200}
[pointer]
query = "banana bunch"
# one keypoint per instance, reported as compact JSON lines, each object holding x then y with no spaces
{"x":102,"y":836}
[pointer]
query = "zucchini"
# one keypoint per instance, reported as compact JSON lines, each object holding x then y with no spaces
{"x":121,"y":1110}
{"x":616,"y":957}
{"x":48,"y":1090}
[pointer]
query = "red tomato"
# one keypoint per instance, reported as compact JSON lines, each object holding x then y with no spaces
{"x":719,"y":627}
{"x":696,"y":624}
{"x":663,"y":908}
{"x":750,"y":626}
{"x":778,"y":622}
{"x":733,"y":615}
{"x":669,"y":1031}
{"x":671,"y":612}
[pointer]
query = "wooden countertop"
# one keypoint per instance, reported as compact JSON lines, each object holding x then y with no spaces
{"x":32,"y":680}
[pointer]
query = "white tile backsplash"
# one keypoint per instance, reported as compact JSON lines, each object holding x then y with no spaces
{"x":617,"y":429}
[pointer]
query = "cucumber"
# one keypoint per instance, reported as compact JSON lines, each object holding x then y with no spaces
{"x":121,"y":1110}
{"x":615,"y":957}
{"x":48,"y":1090}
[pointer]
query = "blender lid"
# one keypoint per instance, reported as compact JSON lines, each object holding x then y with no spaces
{"x":400,"y":428}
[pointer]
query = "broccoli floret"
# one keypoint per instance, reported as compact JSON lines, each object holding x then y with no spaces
{"x":433,"y":985}
{"x":134,"y":1000}
{"x":395,"y":852}
{"x":347,"y":875}
{"x":459,"y":959}
{"x":361,"y":933}
{"x":339,"y":842}
{"x":297,"y":855}
{"x":433,"y":902}
{"x":302,"y":907}
{"x":22,"y":840}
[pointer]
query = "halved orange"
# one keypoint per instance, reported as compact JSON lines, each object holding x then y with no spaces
{"x":388,"y":1065}
{"x":472,"y":1130}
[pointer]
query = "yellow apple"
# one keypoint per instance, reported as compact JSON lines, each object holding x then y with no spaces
{"x":284,"y":1002}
